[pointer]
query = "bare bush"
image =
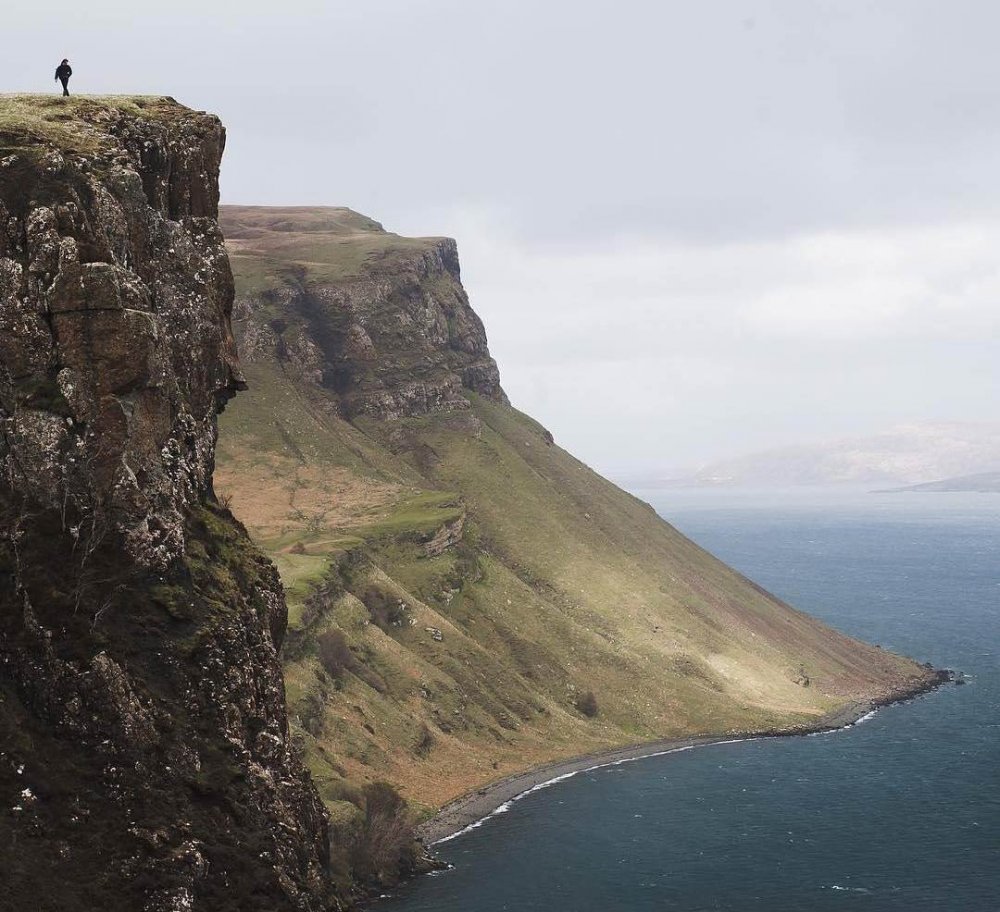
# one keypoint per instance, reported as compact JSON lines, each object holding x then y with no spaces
{"x":586,"y":703}
{"x":312,"y":711}
{"x":383,"y":847}
{"x":385,"y":610}
{"x":334,"y":653}
{"x":425,"y":741}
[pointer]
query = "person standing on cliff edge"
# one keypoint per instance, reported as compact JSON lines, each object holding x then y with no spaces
{"x":63,"y":72}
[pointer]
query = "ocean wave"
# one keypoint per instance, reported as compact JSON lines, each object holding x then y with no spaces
{"x":830,"y":731}
{"x":868,"y":715}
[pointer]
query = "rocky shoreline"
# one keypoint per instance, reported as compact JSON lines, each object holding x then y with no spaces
{"x":473,"y":808}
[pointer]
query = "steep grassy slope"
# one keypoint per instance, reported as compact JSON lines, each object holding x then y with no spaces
{"x":458,"y":584}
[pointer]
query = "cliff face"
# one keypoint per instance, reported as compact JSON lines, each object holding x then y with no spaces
{"x":466,"y":598}
{"x":386,"y":335}
{"x":145,"y":759}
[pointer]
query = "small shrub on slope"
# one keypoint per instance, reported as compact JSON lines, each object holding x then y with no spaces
{"x":586,"y":703}
{"x":380,"y":844}
{"x":334,"y":654}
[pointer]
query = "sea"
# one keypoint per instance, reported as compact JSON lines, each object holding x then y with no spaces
{"x":899,"y":812}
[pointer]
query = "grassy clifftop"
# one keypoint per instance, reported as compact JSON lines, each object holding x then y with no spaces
{"x":77,"y":124}
{"x":466,"y":598}
{"x":272,"y":247}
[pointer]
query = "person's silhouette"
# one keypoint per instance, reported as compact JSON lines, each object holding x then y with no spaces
{"x":63,"y":72}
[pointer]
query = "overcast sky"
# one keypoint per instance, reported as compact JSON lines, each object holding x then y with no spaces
{"x":692,"y":229}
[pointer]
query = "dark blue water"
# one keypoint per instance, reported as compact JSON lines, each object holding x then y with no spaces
{"x":901,"y":812}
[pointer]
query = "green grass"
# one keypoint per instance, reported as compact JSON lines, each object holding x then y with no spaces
{"x":420,"y":515}
{"x":280,"y":417}
{"x":300,"y":574}
{"x":260,"y":221}
{"x":274,"y":248}
{"x":66,"y":122}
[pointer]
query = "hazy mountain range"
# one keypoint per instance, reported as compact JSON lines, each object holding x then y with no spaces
{"x":982,"y":483}
{"x":906,"y":454}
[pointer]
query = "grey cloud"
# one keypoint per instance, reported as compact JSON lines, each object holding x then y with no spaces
{"x":751,"y":151}
{"x":582,"y":117}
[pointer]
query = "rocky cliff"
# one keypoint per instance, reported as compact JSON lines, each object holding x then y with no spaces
{"x":145,"y":758}
{"x":466,"y":599}
{"x":387,"y":333}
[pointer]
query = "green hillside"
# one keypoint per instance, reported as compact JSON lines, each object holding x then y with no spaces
{"x":466,"y":598}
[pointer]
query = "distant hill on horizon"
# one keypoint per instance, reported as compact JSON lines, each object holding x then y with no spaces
{"x":980,"y":483}
{"x":907,"y":454}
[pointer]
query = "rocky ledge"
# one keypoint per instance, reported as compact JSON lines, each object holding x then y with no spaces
{"x":145,"y":759}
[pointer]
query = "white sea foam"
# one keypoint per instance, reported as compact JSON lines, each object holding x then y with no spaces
{"x":830,"y":731}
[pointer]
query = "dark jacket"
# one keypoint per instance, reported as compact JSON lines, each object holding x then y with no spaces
{"x":64,"y":71}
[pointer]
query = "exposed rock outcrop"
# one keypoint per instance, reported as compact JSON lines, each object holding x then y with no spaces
{"x":392,"y":336}
{"x":449,"y":535}
{"x":145,"y":759}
